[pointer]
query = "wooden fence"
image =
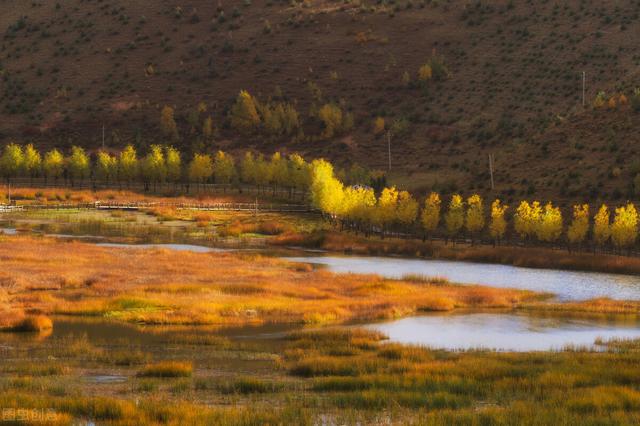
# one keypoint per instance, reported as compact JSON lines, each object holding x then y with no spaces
{"x":112,"y":205}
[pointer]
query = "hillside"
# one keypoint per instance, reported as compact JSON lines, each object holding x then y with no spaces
{"x":510,"y":83}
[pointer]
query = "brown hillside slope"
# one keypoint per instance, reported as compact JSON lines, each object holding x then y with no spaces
{"x":69,"y":67}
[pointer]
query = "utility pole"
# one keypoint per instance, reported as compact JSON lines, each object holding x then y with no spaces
{"x":103,"y":137}
{"x":584,"y":89}
{"x":389,"y":147}
{"x":491,"y":170}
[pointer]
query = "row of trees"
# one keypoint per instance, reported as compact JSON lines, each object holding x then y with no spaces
{"x":360,"y":208}
{"x":356,"y":206}
{"x":162,"y":164}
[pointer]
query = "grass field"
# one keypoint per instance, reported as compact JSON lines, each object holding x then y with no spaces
{"x":156,"y":286}
{"x":332,"y":376}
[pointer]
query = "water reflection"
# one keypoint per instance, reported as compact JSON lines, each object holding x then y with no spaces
{"x":178,"y":247}
{"x":506,"y":332}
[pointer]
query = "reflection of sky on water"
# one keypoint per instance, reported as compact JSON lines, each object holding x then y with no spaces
{"x":509,"y":332}
{"x":567,"y":285}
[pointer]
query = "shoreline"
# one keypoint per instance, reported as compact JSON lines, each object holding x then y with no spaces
{"x":335,"y":242}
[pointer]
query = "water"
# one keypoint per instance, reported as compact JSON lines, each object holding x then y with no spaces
{"x":566,"y":285}
{"x":501,"y":331}
{"x":178,"y":247}
{"x":504,"y":332}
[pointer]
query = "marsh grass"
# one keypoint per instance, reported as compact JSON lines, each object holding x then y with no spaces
{"x":157,"y":287}
{"x":167,"y":369}
{"x":346,"y":375}
{"x":31,"y":324}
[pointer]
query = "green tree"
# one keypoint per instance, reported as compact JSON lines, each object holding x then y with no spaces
{"x":263,"y":172}
{"x":279,"y":171}
{"x":244,"y":113}
{"x":168,"y":123}
{"x":207,"y":128}
{"x":106,"y":167}
{"x":300,"y":172}
{"x":154,"y":167}
{"x":335,"y":121}
{"x":173,"y":164}
{"x":224,"y":168}
{"x":53,"y":165}
{"x":32,"y":161}
{"x":200,"y":168}
{"x":248,"y":169}
{"x":78,"y":165}
{"x":12,"y":161}
{"x":128,"y":165}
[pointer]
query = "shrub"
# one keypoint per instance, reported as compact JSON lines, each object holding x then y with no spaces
{"x":33,"y":324}
{"x":167,"y":369}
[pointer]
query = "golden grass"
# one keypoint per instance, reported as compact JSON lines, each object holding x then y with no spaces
{"x":27,"y":195}
{"x":164,"y":287}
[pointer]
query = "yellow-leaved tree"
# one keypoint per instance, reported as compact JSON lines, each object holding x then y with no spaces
{"x":430,"y":217}
{"x":32,"y":161}
{"x":106,"y":167}
{"x":248,"y":169}
{"x":386,"y":208}
{"x":358,"y":206}
{"x":11,"y":161}
{"x":526,"y":219}
{"x":168,"y":123}
{"x":53,"y":165}
{"x":624,"y":229}
{"x":224,"y":168}
{"x":602,"y":226}
{"x":173,"y":161}
{"x":244,"y":113}
{"x":498,"y":226}
{"x":378,"y":125}
{"x":200,"y":168}
{"x":327,"y":192}
{"x":128,"y":166}
{"x":474,"y":220}
{"x":407,"y":209}
{"x":78,"y":165}
{"x":549,"y":227}
{"x":579,"y":228}
{"x":300,"y":172}
{"x":454,"y":219}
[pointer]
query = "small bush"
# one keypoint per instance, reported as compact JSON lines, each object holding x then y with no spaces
{"x":167,"y":369}
{"x":32,"y":324}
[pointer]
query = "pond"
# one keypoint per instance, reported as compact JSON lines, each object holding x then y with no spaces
{"x":514,"y":332}
{"x":566,"y":285}
{"x":502,"y":331}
